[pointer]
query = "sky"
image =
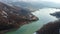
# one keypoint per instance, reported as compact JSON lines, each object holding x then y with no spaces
{"x":55,"y":1}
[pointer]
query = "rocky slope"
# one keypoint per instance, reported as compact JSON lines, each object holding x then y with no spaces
{"x":56,"y":14}
{"x":50,"y":28}
{"x":14,"y":17}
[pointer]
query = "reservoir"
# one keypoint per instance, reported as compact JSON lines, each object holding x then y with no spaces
{"x":44,"y":17}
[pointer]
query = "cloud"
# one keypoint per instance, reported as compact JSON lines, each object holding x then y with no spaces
{"x":55,"y":1}
{"x":30,"y":0}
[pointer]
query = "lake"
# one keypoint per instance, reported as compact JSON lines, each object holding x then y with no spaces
{"x":44,"y":17}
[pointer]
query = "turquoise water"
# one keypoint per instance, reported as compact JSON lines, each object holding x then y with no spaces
{"x":44,"y":17}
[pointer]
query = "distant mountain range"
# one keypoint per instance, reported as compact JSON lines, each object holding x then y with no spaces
{"x":36,"y":5}
{"x":33,"y":5}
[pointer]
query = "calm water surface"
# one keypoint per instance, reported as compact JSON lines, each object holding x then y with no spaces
{"x":44,"y":17}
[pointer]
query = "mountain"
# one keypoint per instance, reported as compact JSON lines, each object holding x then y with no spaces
{"x":50,"y":28}
{"x":14,"y":17}
{"x":36,"y":5}
{"x":56,"y":14}
{"x":32,"y":5}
